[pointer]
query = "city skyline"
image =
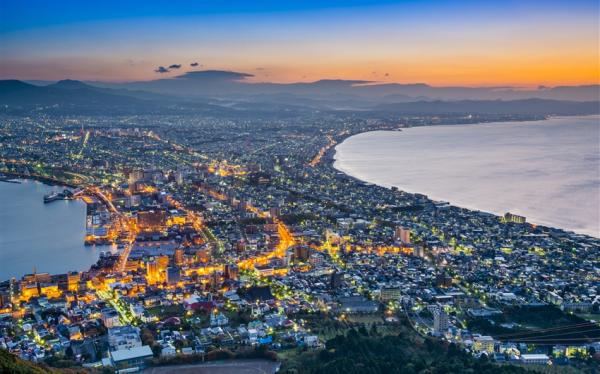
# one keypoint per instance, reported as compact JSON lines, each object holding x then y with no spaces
{"x":300,"y":187}
{"x":436,"y":42}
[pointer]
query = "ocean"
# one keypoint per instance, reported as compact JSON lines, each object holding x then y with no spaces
{"x":547,"y":171}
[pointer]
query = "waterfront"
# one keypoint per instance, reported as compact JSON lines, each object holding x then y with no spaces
{"x":548,"y":171}
{"x":49,"y":237}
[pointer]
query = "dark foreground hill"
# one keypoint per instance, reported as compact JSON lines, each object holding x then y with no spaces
{"x":14,"y":365}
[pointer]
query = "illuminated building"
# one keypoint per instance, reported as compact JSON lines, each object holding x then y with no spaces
{"x":389,"y":294}
{"x":203,"y":255}
{"x":535,"y":359}
{"x":178,"y":257}
{"x":316,"y":259}
{"x":133,"y":200}
{"x":418,"y":251}
{"x":110,"y":318}
{"x":484,"y":344}
{"x":301,"y":253}
{"x":231,"y":272}
{"x":509,"y":217}
{"x":275,"y":212}
{"x":152,"y":220}
{"x":37,"y":278}
{"x":163,"y":262}
{"x":73,"y":278}
{"x":402,"y":234}
{"x":135,"y":176}
{"x":124,"y":337}
{"x":29,"y":290}
{"x":152,"y":275}
{"x":178,"y":175}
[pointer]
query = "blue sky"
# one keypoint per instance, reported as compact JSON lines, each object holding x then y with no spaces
{"x":439,"y":42}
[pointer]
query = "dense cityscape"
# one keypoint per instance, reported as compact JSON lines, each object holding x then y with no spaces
{"x":300,"y":187}
{"x":237,"y":238}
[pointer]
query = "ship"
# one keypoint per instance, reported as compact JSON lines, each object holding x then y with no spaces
{"x":65,"y":195}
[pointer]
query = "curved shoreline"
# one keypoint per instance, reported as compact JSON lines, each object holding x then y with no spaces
{"x":333,"y":161}
{"x":49,"y":182}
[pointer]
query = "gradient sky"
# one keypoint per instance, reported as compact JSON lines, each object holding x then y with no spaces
{"x":524,"y":43}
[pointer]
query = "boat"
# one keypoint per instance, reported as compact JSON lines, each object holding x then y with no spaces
{"x":52,"y":197}
{"x":65,"y":195}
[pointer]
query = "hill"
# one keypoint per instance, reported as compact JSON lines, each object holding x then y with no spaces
{"x":75,"y":97}
{"x":14,"y":365}
{"x":368,"y":352}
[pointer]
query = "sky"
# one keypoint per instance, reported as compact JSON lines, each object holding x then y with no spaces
{"x":442,"y":43}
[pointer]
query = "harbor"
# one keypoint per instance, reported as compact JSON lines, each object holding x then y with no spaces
{"x":49,"y":237}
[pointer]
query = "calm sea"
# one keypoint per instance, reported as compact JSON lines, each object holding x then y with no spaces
{"x":48,"y":237}
{"x":548,"y":171}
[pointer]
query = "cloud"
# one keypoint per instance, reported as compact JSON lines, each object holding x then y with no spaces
{"x":175,"y":66}
{"x":194,"y":64}
{"x":161,"y":70}
{"x":215,"y":75}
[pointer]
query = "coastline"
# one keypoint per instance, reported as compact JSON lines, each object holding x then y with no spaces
{"x":331,"y":157}
{"x":49,"y":182}
{"x":46,"y":180}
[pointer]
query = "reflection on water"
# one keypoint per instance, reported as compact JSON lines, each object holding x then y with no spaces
{"x":548,"y":171}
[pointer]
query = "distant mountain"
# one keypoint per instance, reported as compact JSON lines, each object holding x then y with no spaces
{"x":223,"y":84}
{"x":69,"y":84}
{"x":63,"y":94}
{"x":222,"y":93}
{"x":75,"y":97}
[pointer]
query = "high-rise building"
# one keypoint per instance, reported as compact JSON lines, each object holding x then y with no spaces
{"x":178,"y":257}
{"x":179,"y":178}
{"x":173,"y":275}
{"x":152,"y":272}
{"x":135,"y":176}
{"x":440,"y":320}
{"x":231,"y":272}
{"x":418,"y":251}
{"x":301,"y":253}
{"x":73,"y":278}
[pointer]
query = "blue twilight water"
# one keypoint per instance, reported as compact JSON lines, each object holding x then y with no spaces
{"x":46,"y":236}
{"x":548,"y":171}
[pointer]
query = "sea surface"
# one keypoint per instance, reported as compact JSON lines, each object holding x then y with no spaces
{"x":48,"y":237}
{"x":548,"y":171}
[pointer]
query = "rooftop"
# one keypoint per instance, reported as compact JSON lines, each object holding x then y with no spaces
{"x":128,"y":354}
